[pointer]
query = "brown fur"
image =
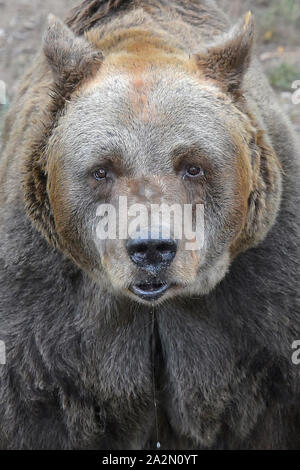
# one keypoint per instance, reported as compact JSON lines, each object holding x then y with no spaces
{"x":145,"y":91}
{"x":68,"y":78}
{"x":135,"y":51}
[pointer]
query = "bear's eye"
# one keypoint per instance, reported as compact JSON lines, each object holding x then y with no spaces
{"x":100,"y":174}
{"x":193,"y":171}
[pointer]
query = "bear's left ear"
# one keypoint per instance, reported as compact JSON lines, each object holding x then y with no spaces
{"x":227,"y":60}
{"x":70,"y":57}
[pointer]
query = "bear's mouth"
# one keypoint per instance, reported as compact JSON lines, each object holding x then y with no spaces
{"x":150,"y":290}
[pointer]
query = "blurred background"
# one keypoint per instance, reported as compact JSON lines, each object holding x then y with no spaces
{"x":22,"y":23}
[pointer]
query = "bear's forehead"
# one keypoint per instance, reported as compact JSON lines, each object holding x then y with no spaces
{"x":148,"y":113}
{"x":154,"y":95}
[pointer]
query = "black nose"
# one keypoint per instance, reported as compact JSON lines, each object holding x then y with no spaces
{"x":152,"y":255}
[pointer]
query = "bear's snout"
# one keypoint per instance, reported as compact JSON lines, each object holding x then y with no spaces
{"x":152,"y":255}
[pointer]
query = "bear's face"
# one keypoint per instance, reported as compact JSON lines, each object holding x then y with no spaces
{"x":156,"y":138}
{"x":136,"y":136}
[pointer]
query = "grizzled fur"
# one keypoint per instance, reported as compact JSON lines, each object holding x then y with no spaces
{"x":145,"y":88}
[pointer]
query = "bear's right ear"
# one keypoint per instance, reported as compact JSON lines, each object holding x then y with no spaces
{"x":70,"y":57}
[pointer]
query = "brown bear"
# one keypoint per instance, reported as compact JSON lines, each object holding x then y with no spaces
{"x":119,"y":342}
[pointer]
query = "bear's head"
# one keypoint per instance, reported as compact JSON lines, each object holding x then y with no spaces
{"x":152,"y":173}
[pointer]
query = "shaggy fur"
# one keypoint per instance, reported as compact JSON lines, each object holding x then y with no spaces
{"x":80,"y":346}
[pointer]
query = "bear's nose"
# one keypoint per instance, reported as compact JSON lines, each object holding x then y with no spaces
{"x":152,"y":255}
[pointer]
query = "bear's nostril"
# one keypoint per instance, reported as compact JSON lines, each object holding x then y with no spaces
{"x":141,"y":248}
{"x":152,"y":254}
{"x":165,"y":246}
